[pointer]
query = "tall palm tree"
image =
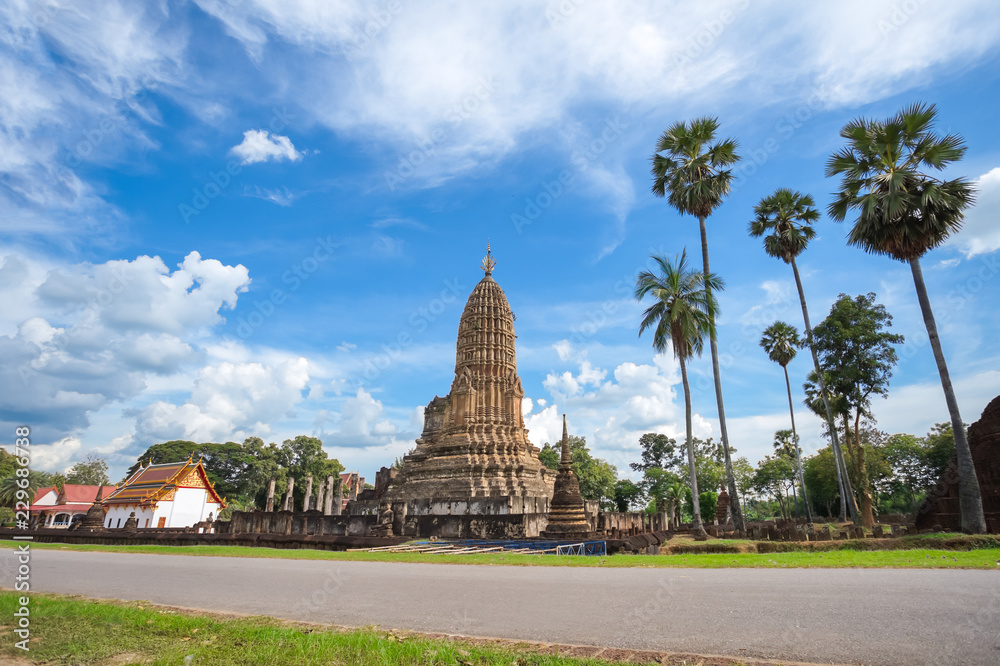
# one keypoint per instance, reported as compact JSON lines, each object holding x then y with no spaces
{"x":785,"y":220}
{"x":903,"y":212}
{"x":11,"y":485}
{"x":690,"y":168}
{"x":681,"y":316}
{"x":781,"y":342}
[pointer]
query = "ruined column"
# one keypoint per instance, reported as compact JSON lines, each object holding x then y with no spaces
{"x":288,"y":495}
{"x":338,"y":503}
{"x":319,"y":497}
{"x":270,"y":496}
{"x":328,"y":499}
{"x":309,"y":492}
{"x":354,"y":487}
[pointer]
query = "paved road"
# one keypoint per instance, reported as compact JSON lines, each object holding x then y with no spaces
{"x":878,"y":616}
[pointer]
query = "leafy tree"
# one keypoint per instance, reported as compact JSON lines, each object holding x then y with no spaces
{"x":12,"y":485}
{"x":242,"y":472}
{"x":657,"y":451}
{"x":916,"y":463}
{"x":8,"y":463}
{"x":785,"y":221}
{"x":708,"y":458}
{"x":660,"y":464}
{"x":781,"y":342}
{"x":680,"y":315}
{"x":904,"y":212}
{"x":626,"y":495}
{"x":693,"y":171}
{"x":549,"y":456}
{"x":773,"y":478}
{"x":821,"y":477}
{"x":92,"y":471}
{"x":787,"y":448}
{"x":856,"y":351}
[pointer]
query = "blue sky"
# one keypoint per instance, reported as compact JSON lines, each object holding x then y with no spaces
{"x":228,"y":218}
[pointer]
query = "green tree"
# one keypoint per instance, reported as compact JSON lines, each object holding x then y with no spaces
{"x":549,"y":456}
{"x":694,"y":172}
{"x":903,"y":212}
{"x":781,"y":342}
{"x":773,"y":477}
{"x":822,"y":478}
{"x":626,"y":495}
{"x":857,"y":354}
{"x":92,"y":471}
{"x":785,"y":219}
{"x":18,"y":488}
{"x":8,"y":463}
{"x":681,"y":316}
{"x":786,"y":447}
{"x":242,"y":472}
{"x":661,"y":459}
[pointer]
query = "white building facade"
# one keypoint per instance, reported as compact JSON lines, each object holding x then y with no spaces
{"x":166,"y":495}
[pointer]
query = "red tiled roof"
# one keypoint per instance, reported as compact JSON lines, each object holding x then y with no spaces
{"x":41,"y":492}
{"x":58,"y":507}
{"x":76,"y":493}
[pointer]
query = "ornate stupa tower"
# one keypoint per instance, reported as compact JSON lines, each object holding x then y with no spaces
{"x":474,"y":443}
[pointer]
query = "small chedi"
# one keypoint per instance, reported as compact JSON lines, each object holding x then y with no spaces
{"x":567,"y":518}
{"x":474,"y":456}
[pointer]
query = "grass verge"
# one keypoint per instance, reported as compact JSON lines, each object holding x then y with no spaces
{"x":917,"y":557}
{"x":76,"y":631}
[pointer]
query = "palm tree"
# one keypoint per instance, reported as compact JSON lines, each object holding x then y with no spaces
{"x":681,"y":316}
{"x":785,"y":217}
{"x":11,"y":485}
{"x":781,"y":342}
{"x":675,"y":495}
{"x":690,"y":168}
{"x":903,"y":212}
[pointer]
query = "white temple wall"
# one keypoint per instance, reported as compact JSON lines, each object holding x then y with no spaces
{"x":189,"y":507}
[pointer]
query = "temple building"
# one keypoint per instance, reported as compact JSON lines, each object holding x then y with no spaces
{"x":59,"y":509}
{"x":474,"y":446}
{"x":167,"y":495}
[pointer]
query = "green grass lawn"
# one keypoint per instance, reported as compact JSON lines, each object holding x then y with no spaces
{"x":74,"y":631}
{"x":918,"y":558}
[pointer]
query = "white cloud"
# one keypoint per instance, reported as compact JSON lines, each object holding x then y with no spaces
{"x":261,"y":146}
{"x":81,"y":337}
{"x":981,"y":233}
{"x":230,"y":401}
{"x":361,"y":422}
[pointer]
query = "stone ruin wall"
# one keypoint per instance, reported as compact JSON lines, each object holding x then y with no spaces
{"x":941,"y":507}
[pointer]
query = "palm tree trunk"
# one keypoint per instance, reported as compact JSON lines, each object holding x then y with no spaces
{"x":734,"y":499}
{"x":867,"y":514}
{"x":798,"y":457}
{"x":848,"y":497}
{"x":970,"y":498}
{"x":696,"y":525}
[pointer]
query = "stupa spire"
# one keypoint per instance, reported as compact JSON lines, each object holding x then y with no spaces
{"x":566,"y":460}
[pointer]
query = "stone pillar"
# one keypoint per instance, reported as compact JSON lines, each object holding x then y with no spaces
{"x":289,"y":500}
{"x":354,"y":488}
{"x":338,"y":502}
{"x":319,"y":497}
{"x":328,"y":499}
{"x":270,"y":496}
{"x":309,"y":492}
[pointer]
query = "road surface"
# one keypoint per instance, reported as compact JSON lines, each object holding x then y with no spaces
{"x":874,"y":616}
